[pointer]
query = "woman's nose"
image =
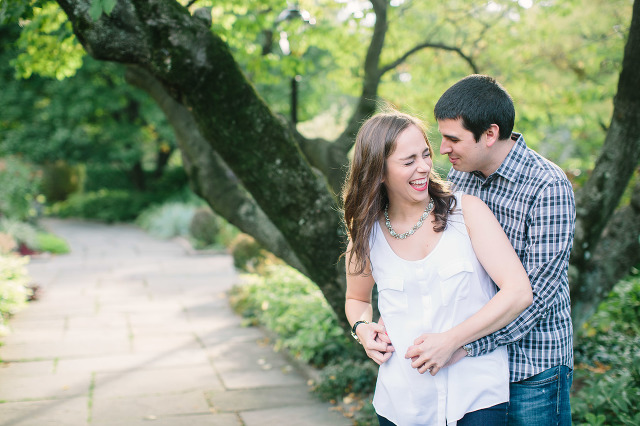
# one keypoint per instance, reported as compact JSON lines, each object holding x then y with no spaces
{"x":424,"y":165}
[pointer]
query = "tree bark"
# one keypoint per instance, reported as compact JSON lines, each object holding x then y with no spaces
{"x":249,"y":165}
{"x":210,"y":177}
{"x":600,"y":255}
{"x":197,"y":69}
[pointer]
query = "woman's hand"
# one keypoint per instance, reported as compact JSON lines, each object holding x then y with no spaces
{"x":432,"y":352}
{"x":375,"y":341}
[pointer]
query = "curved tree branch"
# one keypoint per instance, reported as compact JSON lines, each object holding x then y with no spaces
{"x":426,"y":45}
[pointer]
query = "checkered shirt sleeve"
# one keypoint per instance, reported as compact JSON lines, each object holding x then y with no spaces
{"x":533,"y":201}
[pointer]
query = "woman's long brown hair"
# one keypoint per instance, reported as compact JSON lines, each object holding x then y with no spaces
{"x":364,"y":195}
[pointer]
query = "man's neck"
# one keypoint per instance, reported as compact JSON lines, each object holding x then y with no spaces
{"x":499,"y":151}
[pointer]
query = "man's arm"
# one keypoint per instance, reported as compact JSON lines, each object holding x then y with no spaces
{"x":549,"y":240}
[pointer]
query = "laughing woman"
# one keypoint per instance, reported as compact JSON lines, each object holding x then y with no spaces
{"x":433,"y":255}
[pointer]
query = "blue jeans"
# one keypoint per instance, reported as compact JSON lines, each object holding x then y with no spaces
{"x":543,"y":399}
{"x":492,"y":416}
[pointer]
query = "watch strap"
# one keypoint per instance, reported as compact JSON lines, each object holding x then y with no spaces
{"x":353,"y":329}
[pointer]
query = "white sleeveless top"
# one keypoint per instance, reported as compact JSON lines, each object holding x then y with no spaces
{"x":430,"y":296}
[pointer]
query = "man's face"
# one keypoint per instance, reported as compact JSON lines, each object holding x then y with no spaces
{"x":465,"y":154}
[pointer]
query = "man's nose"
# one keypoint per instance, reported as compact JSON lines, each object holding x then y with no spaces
{"x":445,"y":147}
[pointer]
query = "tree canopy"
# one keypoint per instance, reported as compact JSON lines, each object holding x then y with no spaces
{"x":220,"y":72}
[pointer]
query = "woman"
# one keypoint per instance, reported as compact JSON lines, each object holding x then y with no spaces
{"x":434,"y":281}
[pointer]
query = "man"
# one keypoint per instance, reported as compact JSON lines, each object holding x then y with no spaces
{"x":533,"y":201}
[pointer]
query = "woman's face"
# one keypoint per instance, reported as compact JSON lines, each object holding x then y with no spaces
{"x":406,"y":176}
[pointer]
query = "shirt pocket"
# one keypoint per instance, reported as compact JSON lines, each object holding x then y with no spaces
{"x":454,"y":280}
{"x":392,"y":299}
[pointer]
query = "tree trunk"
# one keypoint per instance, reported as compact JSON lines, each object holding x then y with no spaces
{"x":210,"y":177}
{"x":137,"y":176}
{"x":162,"y":159}
{"x":604,"y":250}
{"x":196,"y":68}
{"x":250,"y":166}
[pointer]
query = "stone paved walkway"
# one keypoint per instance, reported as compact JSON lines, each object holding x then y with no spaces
{"x":131,"y":330}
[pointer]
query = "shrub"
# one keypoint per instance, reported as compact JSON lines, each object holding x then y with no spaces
{"x":51,"y":243}
{"x":204,"y":227}
{"x":13,"y":287}
{"x":349,"y":376}
{"x":247,"y":253}
{"x":106,"y":176}
{"x":24,"y":234}
{"x":61,"y":180}
{"x":106,"y":205}
{"x":349,"y":384}
{"x":168,"y":220}
{"x":227,"y":233}
{"x":18,"y":189}
{"x":607,"y":375}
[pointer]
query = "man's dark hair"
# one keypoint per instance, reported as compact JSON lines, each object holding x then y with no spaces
{"x":480,"y":101}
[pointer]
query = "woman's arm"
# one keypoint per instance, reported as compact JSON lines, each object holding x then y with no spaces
{"x":497,"y":256}
{"x":358,"y":307}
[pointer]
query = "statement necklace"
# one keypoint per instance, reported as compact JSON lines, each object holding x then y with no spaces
{"x":411,"y":231}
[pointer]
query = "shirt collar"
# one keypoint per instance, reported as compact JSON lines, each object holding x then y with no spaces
{"x":513,"y":164}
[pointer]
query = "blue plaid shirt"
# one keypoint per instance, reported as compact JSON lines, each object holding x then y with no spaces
{"x":533,"y":200}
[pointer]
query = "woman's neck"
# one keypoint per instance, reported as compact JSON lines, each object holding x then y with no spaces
{"x":404,"y":211}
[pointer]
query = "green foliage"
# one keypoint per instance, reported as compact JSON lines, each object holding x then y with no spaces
{"x":98,"y":7}
{"x":14,"y":292}
{"x":286,"y":302}
{"x":607,"y":376}
{"x":47,"y":44}
{"x":22,"y":232}
{"x":59,"y":180}
{"x":18,"y":189}
{"x":92,"y":117}
{"x":51,"y":243}
{"x":106,"y":176}
{"x":204,"y":227}
{"x":227,"y":233}
{"x":349,"y":376}
{"x":105,"y":205}
{"x":168,"y":220}
{"x":247,"y":253}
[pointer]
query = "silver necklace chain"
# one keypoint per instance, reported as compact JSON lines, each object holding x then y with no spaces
{"x":411,"y":231}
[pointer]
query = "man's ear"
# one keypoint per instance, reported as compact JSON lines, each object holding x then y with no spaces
{"x":492,"y":134}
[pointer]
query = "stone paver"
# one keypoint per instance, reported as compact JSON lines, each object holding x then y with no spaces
{"x":131,"y":330}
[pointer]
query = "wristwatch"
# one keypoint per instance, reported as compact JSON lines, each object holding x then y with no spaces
{"x":353,"y":329}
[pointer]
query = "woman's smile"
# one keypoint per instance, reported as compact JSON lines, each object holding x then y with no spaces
{"x":419,"y":184}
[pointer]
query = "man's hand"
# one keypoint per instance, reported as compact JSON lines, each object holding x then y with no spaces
{"x":431,"y":352}
{"x":375,"y":341}
{"x":457,"y":356}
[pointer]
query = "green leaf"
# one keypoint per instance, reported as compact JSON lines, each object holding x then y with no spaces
{"x":108,"y":5}
{"x":95,"y":11}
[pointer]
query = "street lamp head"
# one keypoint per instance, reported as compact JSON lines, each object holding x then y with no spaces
{"x":289,"y":14}
{"x":292,"y":13}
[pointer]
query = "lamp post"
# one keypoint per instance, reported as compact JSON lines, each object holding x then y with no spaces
{"x":291,"y":13}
